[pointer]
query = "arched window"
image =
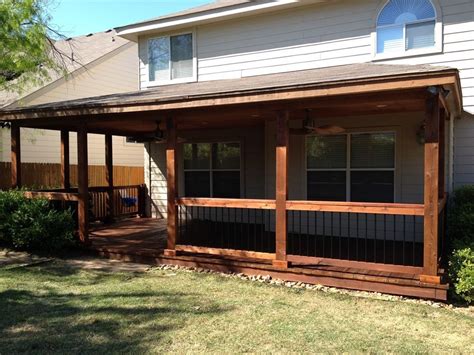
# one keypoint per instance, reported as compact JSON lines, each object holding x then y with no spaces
{"x":406,"y":25}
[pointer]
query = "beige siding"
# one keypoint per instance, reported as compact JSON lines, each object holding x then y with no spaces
{"x":116,"y":72}
{"x":337,"y":33}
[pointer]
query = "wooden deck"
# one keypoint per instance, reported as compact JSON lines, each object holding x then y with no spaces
{"x":144,"y":240}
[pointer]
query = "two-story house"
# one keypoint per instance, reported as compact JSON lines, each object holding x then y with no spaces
{"x":313,"y":140}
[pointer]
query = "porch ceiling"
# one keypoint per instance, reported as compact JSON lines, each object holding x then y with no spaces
{"x":355,"y":90}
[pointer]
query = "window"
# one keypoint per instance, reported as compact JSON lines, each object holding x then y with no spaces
{"x":357,"y":167}
{"x":406,"y":26}
{"x":212,"y":170}
{"x":171,"y":58}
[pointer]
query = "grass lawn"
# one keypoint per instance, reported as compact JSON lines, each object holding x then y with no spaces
{"x":58,"y":308}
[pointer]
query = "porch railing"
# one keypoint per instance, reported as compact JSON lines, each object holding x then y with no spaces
{"x":375,"y":236}
{"x":244,"y":228}
{"x":127,"y":200}
{"x":387,"y":237}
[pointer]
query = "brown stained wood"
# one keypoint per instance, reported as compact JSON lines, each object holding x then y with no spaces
{"x":429,"y":279}
{"x":357,"y":207}
{"x":15,"y":157}
{"x":400,"y":269}
{"x":172,"y":182}
{"x":83,"y":185}
{"x":442,"y":203}
{"x":65,"y":161}
{"x":53,"y":196}
{"x":109,"y":174}
{"x":225,"y":252}
{"x":431,"y":189}
{"x":442,"y":153}
{"x":282,"y":147}
{"x":227,"y":203}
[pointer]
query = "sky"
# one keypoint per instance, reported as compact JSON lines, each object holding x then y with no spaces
{"x":80,"y":17}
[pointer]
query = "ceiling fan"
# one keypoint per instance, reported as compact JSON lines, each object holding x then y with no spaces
{"x":309,"y":127}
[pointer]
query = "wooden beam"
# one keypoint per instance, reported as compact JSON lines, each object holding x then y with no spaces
{"x":227,"y":203}
{"x":358,"y":207}
{"x":282,"y":147}
{"x":226,"y":252}
{"x":53,"y":196}
{"x":172,"y":185}
{"x":109,"y":175}
{"x":15,"y":157}
{"x":83,"y":184}
{"x":313,"y":261}
{"x":431,"y":188}
{"x":65,"y":161}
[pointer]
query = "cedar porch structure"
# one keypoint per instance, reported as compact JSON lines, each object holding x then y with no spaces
{"x":354,"y":90}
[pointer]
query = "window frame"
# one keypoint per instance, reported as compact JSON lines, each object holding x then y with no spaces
{"x":192,"y":78}
{"x":348,"y":169}
{"x":406,"y":53}
{"x":210,"y":169}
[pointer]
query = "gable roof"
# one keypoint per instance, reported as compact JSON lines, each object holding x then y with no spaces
{"x":84,"y":50}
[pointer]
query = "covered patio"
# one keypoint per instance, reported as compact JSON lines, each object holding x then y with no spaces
{"x":395,"y":246}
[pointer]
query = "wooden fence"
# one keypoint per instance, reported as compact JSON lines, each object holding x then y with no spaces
{"x":40,"y":175}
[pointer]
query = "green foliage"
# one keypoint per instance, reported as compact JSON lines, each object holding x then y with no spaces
{"x":461,"y":268}
{"x":461,"y":232}
{"x":33,"y":225}
{"x":26,"y":51}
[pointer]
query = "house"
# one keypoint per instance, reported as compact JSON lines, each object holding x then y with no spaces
{"x":92,"y":63}
{"x":311,"y":140}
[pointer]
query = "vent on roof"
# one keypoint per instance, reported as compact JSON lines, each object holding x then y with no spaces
{"x":68,"y":39}
{"x":108,"y":31}
{"x":90,"y":35}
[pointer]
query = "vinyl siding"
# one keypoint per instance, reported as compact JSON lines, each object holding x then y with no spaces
{"x":114,"y":73}
{"x":337,"y":33}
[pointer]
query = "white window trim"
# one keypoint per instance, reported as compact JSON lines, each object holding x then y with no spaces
{"x":348,"y":169}
{"x":210,"y":170}
{"x":170,"y":81}
{"x":438,"y":36}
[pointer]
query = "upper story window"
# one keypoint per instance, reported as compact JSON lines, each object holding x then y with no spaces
{"x":171,"y":58}
{"x":407,"y":27}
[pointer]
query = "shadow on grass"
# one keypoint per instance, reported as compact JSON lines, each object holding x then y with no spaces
{"x":50,"y":321}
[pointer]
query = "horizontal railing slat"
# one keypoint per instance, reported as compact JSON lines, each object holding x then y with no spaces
{"x":227,"y":203}
{"x":357,"y":207}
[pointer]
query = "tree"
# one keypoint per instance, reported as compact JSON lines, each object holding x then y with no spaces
{"x":27,"y":51}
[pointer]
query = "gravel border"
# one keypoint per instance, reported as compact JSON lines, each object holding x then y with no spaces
{"x":267,"y":279}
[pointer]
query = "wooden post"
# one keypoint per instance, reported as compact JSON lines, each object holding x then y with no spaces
{"x":83,"y":184}
{"x":282,"y":147}
{"x":431,"y":192}
{"x":65,"y":161}
{"x":109,"y":175}
{"x":172,"y":185}
{"x":15,"y":156}
{"x":442,"y":153}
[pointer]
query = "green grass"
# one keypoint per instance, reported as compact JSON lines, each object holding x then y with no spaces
{"x":55,"y":308}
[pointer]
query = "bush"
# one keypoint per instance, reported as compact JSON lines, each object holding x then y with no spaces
{"x":461,"y":233}
{"x":33,"y":225}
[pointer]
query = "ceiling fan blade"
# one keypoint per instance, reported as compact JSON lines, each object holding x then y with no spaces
{"x":328,"y":130}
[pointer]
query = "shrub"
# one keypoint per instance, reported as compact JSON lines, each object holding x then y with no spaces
{"x":461,"y":232}
{"x":34,"y":225}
